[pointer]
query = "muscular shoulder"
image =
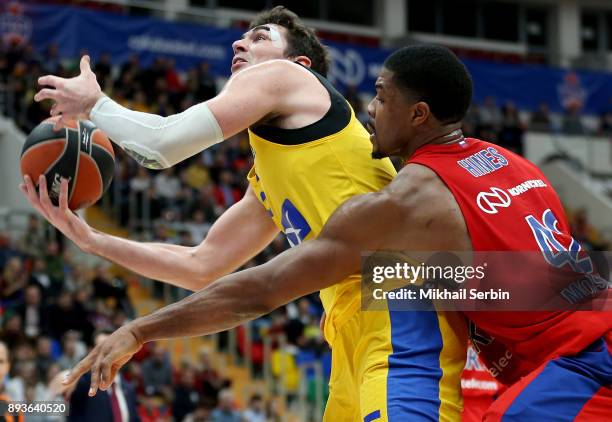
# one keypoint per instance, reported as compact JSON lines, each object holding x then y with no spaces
{"x":416,"y":211}
{"x":430,"y":215}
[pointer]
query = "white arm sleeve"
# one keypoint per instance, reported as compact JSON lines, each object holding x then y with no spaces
{"x":157,"y":142}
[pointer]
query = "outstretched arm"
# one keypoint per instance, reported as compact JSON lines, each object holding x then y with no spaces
{"x":245,"y":295}
{"x":159,"y":142}
{"x":237,"y":236}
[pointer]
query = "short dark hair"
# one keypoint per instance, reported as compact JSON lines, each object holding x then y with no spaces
{"x":301,"y":40}
{"x":434,"y":75}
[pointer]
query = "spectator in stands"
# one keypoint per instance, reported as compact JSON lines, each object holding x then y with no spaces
{"x":351,"y":94}
{"x":167,"y":187}
{"x":70,"y":351}
{"x":173,"y":81}
{"x":12,"y":281}
{"x":605,"y":124}
{"x":6,"y":251}
{"x":52,"y":61}
{"x":103,"y":68}
{"x":255,"y":412}
{"x":131,"y":66}
{"x":207,"y":88}
{"x":157,"y":371}
{"x":201,"y":413}
{"x":54,"y":266}
{"x":572,"y":121}
{"x":208,"y":379}
{"x":39,"y":276}
{"x":108,"y":286}
{"x":489,"y":119}
{"x":44,"y":356}
{"x":162,"y":106}
{"x":139,"y":103}
{"x":186,"y":396}
{"x":540,"y":119}
{"x":18,"y":86}
{"x":511,"y":133}
{"x":31,"y":311}
{"x":471,"y":121}
{"x":5,"y":398}
{"x":25,"y":375}
{"x":273,"y":410}
{"x":153,"y":408}
{"x":196,"y":175}
{"x":226,"y":193}
{"x":225,"y":410}
{"x":63,"y":316}
{"x":33,"y":242}
{"x":118,"y":404}
{"x":203,"y":201}
{"x":12,"y":332}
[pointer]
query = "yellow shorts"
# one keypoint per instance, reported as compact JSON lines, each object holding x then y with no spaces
{"x":397,"y":366}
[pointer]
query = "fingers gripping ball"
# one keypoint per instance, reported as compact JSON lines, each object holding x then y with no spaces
{"x":78,"y":152}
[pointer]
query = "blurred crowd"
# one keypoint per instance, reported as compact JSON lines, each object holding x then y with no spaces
{"x":53,"y":309}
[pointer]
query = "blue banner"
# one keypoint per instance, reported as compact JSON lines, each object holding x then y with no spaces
{"x":77,"y":29}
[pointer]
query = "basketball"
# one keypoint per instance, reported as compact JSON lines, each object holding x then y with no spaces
{"x":78,"y":152}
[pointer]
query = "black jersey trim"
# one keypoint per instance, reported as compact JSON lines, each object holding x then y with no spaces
{"x":337,"y":118}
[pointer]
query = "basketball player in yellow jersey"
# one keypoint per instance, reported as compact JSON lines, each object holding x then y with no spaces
{"x":311,"y":154}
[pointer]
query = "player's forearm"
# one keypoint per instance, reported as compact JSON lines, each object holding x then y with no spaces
{"x":248,"y":294}
{"x":155,"y":141}
{"x":225,"y":304}
{"x":173,"y":264}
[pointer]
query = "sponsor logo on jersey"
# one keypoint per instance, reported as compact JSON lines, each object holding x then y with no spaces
{"x":496,"y":198}
{"x":484,"y":162}
{"x":295,"y":226}
{"x":525,"y":186}
{"x":490,"y":202}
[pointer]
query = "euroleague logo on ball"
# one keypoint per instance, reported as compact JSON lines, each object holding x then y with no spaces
{"x":54,"y":192}
{"x":77,"y":152}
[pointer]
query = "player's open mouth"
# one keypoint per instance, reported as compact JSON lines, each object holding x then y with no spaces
{"x":238,"y":60}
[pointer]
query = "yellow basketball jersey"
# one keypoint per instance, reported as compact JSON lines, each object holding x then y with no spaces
{"x":303,"y":183}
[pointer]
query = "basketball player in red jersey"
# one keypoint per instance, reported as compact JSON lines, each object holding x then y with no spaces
{"x":478,"y":386}
{"x":559,"y":364}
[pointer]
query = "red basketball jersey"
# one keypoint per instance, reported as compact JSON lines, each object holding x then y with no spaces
{"x":509,"y":205}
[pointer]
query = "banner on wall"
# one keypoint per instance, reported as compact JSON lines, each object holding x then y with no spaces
{"x":75,"y":30}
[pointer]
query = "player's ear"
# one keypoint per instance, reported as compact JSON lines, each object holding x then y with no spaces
{"x":420,"y":113}
{"x":303,"y":60}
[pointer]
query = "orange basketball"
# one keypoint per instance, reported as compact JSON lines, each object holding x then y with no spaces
{"x":79,"y":152}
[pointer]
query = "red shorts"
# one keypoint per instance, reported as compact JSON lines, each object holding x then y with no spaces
{"x":575,"y":388}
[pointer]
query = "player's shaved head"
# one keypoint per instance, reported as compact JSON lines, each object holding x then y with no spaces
{"x":434,"y":75}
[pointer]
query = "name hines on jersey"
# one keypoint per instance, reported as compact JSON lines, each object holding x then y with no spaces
{"x":484,"y":162}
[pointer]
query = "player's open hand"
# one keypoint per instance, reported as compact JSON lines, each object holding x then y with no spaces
{"x":70,"y":224}
{"x":106,"y":359}
{"x":74,"y":97}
